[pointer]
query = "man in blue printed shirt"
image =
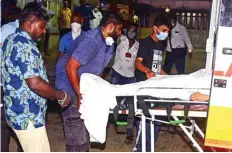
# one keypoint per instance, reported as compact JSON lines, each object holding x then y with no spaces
{"x":67,"y":39}
{"x":25,"y":82}
{"x":89,"y":53}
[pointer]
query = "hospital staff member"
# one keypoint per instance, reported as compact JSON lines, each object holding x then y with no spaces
{"x":67,"y":39}
{"x":178,"y":46}
{"x":148,"y":64}
{"x":124,"y":68}
{"x":89,"y":53}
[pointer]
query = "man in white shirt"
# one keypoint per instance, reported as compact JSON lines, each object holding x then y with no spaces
{"x":8,"y":29}
{"x":178,"y":45}
{"x":126,"y":53}
{"x":123,"y":71}
{"x":98,"y":16}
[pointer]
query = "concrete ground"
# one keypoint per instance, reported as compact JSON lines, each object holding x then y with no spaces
{"x":170,"y":138}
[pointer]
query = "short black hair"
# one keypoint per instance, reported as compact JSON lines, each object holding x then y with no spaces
{"x":111,"y":18}
{"x":162,"y":20}
{"x":33,"y":11}
{"x":13,"y":2}
{"x":173,"y":17}
{"x":131,"y":24}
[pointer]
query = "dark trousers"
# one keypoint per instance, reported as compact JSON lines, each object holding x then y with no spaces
{"x":138,"y":145}
{"x":177,"y":57}
{"x":121,"y":80}
{"x":76,"y":135}
{"x":63,"y":31}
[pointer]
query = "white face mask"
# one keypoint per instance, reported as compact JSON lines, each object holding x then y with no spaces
{"x":109,"y":41}
{"x":167,"y":10}
{"x":76,"y":27}
{"x":76,"y":30}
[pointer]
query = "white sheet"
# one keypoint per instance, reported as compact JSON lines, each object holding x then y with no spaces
{"x":99,"y":96}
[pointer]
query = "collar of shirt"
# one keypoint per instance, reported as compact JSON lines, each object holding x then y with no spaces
{"x":69,"y":36}
{"x":176,"y":28}
{"x":16,"y":23}
{"x":135,"y":45}
{"x":25,"y":34}
{"x":102,"y":38}
{"x":124,"y":45}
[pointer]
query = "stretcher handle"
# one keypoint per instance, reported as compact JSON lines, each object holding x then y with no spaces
{"x":121,"y":123}
{"x":177,"y":122}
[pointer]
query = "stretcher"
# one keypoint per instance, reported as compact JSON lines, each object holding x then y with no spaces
{"x":197,"y":109}
{"x":170,"y":90}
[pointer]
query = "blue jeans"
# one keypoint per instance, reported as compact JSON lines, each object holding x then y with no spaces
{"x":118,"y":79}
{"x":76,"y":135}
{"x":138,"y":145}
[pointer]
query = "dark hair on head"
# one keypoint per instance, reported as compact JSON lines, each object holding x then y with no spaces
{"x":167,"y":6}
{"x":33,"y":11}
{"x":65,"y":1}
{"x":173,"y":17}
{"x":111,"y":18}
{"x":131,"y":24}
{"x":13,"y":2}
{"x":78,"y":14}
{"x":162,"y":20}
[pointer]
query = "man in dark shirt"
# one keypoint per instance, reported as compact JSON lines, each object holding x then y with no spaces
{"x":86,"y":11}
{"x":148,"y":64}
{"x":89,"y":53}
{"x":11,"y":12}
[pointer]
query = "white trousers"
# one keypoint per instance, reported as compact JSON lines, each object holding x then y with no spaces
{"x":33,"y":139}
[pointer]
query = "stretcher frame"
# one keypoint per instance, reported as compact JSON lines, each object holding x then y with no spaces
{"x":188,"y":130}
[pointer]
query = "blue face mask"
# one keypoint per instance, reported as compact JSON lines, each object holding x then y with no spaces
{"x":162,"y":35}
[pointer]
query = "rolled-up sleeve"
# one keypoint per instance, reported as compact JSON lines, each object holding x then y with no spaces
{"x":86,"y":51}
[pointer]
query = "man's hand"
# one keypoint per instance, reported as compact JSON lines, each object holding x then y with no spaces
{"x":197,"y":96}
{"x":190,"y":55}
{"x":163,"y":73}
{"x":150,"y":74}
{"x":63,"y":98}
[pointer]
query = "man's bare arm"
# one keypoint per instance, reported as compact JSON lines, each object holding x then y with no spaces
{"x":139,"y":65}
{"x":72,"y":71}
{"x":44,"y":89}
